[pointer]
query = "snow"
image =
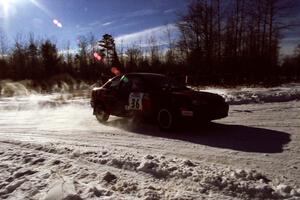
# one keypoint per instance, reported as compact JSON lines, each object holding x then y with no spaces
{"x":246,"y":95}
{"x":52,"y":147}
{"x":62,"y":189}
{"x":61,"y":176}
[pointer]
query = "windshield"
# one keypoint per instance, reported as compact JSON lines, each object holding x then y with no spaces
{"x":165,"y":83}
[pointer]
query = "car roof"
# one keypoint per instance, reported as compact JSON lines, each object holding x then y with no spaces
{"x":146,"y":75}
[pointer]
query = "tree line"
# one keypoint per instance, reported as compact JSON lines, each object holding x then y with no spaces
{"x":219,"y":42}
{"x":235,"y":41}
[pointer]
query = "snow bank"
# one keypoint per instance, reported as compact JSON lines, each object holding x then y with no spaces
{"x":245,"y":95}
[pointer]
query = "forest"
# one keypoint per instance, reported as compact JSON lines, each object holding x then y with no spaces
{"x":218,"y":42}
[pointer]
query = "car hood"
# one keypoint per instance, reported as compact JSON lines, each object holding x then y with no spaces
{"x":197,"y":95}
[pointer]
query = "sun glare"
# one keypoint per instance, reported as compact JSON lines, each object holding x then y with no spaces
{"x":5,"y":4}
{"x":41,"y":6}
{"x":9,"y":7}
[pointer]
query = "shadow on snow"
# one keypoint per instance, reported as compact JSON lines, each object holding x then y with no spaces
{"x":235,"y":137}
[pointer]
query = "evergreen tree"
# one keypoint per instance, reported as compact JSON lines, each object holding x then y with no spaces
{"x":50,"y":58}
{"x":34,"y":69}
{"x":108,"y":50}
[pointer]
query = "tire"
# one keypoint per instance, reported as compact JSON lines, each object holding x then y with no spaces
{"x":165,"y":119}
{"x":101,"y":115}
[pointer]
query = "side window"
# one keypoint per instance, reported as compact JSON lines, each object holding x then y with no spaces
{"x":125,"y":85}
{"x":113,"y":84}
{"x":131,"y":84}
{"x":137,"y":85}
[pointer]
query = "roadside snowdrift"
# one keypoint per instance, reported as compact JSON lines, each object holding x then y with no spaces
{"x":245,"y":95}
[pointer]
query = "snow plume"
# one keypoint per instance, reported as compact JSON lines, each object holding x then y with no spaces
{"x":10,"y":88}
{"x":246,"y":95}
{"x":28,"y":95}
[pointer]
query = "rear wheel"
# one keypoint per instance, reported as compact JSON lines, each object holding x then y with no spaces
{"x":101,"y":115}
{"x":165,"y":119}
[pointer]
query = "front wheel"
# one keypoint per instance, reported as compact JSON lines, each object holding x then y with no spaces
{"x":165,"y":119}
{"x":101,"y":115}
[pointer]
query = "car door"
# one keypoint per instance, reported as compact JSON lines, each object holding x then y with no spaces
{"x":130,"y":90}
{"x":111,"y":95}
{"x":124,"y":91}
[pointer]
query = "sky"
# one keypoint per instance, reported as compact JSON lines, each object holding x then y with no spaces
{"x":128,"y":21}
{"x":66,"y":20}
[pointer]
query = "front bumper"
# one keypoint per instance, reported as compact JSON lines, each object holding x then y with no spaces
{"x":207,"y":112}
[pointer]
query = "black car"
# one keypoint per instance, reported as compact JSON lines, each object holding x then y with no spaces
{"x":157,"y":97}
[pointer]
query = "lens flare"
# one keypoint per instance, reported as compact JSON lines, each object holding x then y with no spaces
{"x":97,"y":56}
{"x":57,"y":23}
{"x":115,"y":71}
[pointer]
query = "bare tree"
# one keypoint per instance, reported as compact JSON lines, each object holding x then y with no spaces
{"x":170,"y":54}
{"x":92,"y":48}
{"x":68,"y":55}
{"x":3,"y":44}
{"x":121,"y":52}
{"x":153,"y":47}
{"x":134,"y":56}
{"x":199,"y":33}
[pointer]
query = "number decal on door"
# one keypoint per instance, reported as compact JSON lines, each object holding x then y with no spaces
{"x":135,"y":101}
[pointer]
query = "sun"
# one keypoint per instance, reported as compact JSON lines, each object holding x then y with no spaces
{"x":5,"y":2}
{"x":5,"y":7}
{"x":9,"y":7}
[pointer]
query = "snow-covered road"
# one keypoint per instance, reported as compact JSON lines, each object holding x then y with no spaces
{"x":52,"y":146}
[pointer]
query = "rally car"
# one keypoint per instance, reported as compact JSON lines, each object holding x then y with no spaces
{"x":155,"y":96}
